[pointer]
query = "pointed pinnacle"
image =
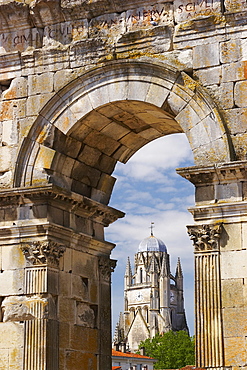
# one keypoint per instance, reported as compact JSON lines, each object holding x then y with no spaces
{"x":153,"y":264}
{"x":179,"y":271}
{"x":128,"y":271}
{"x":164,"y":268}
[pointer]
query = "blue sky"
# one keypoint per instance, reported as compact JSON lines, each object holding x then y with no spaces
{"x":149,"y":190}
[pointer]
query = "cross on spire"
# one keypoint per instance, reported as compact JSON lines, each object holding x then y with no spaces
{"x":152,"y":227}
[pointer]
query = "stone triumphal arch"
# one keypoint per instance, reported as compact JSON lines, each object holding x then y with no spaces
{"x":84,"y":84}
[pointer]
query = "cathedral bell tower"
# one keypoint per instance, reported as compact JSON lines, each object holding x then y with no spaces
{"x":153,"y":297}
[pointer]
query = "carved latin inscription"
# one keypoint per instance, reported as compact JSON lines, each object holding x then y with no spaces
{"x":185,"y":10}
{"x":205,"y":237}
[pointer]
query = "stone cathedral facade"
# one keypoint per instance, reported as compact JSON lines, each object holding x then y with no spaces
{"x":153,"y":297}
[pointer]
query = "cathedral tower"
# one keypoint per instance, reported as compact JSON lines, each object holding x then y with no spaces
{"x":153,"y":297}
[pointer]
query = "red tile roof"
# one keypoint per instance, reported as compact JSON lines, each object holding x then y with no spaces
{"x":128,"y":354}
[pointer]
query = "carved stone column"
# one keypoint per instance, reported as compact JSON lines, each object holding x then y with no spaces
{"x":106,"y":267}
{"x":55,"y":299}
{"x":220,"y":240}
{"x":41,"y":288}
{"x":208,"y":330}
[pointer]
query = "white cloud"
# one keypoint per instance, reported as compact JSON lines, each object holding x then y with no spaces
{"x":149,"y":163}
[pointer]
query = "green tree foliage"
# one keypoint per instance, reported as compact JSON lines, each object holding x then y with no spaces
{"x":173,"y":350}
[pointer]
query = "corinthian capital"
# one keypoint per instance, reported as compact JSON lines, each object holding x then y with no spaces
{"x":106,"y":267}
{"x":43,"y":253}
{"x":205,"y":237}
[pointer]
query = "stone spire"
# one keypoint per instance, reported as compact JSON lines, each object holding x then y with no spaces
{"x":179,"y":271}
{"x":164,"y":268}
{"x":128,"y":274}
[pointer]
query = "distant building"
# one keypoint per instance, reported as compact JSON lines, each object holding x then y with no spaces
{"x":153,"y":297}
{"x":131,"y":361}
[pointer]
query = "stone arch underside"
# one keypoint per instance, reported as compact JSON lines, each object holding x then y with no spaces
{"x":109,"y":113}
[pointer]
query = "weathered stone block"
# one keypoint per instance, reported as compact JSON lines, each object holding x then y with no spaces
{"x":230,"y":51}
{"x":20,"y":308}
{"x":204,"y":194}
{"x":36,"y":102}
{"x":17,"y":89}
{"x":86,"y":174}
{"x":231,"y":237}
{"x":188,"y":118}
{"x":102,"y":142}
{"x":85,"y":315}
{"x":55,"y":215}
{"x":74,"y":359}
{"x":64,"y":335}
{"x":16,"y":358}
{"x":234,"y":71}
{"x":235,"y":348}
{"x":45,"y":157}
{"x":82,"y":263}
{"x":4,"y":359}
{"x":209,"y":76}
{"x":79,"y":288}
{"x":229,"y":191}
{"x":84,"y":339}
{"x":235,"y":6}
{"x":240,"y":93}
{"x":66,"y":260}
{"x":11,"y":282}
{"x":10,"y":109}
{"x":223,"y":94}
{"x":206,"y":55}
{"x":233,"y":264}
{"x":236,"y":120}
{"x":40,"y":84}
{"x":66,"y":310}
{"x":89,"y":155}
{"x":65,"y":284}
{"x":233,"y":293}
{"x":13,"y":335}
{"x":67,"y":167}
{"x":12,"y":258}
{"x":184,"y":11}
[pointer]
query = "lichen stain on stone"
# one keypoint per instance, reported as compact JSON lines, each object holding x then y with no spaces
{"x":245,"y":69}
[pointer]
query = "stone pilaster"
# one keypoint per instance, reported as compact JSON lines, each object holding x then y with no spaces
{"x":208,"y":331}
{"x":53,"y":302}
{"x":219,"y":237}
{"x":41,"y":286}
{"x":106,"y":267}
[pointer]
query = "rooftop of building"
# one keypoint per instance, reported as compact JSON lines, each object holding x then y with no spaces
{"x":152,"y":244}
{"x":129,"y":354}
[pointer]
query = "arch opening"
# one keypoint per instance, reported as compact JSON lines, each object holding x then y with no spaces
{"x":106,"y":116}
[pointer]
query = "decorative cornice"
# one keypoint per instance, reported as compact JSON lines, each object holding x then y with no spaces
{"x":69,"y":201}
{"x":43,"y":253}
{"x":205,"y":237}
{"x":220,"y":173}
{"x":106,"y":267}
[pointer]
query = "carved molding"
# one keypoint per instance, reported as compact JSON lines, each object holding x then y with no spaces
{"x":106,"y":267}
{"x":205,"y":237}
{"x":43,"y":253}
